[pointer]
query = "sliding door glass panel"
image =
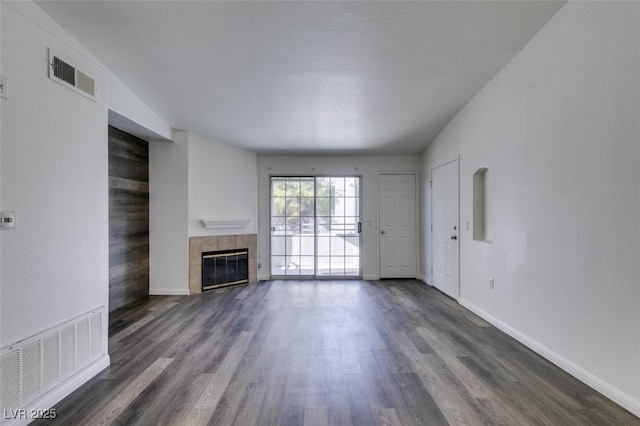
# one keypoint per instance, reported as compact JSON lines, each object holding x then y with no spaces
{"x":307,"y":226}
{"x":292,"y":226}
{"x":325,"y":197}
{"x":315,"y":226}
{"x":278,"y":226}
{"x":352,"y":226}
{"x":338,"y":216}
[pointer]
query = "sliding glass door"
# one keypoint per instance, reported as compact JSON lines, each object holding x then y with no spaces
{"x":315,"y":226}
{"x":293,"y":246}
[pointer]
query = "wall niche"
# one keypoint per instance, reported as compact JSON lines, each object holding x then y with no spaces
{"x":482,"y":202}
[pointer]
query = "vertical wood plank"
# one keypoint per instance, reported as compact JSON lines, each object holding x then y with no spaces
{"x":128,"y":219}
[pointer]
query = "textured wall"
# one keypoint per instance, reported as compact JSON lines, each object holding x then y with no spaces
{"x":222,"y":186}
{"x":54,"y":175}
{"x":127,"y":112}
{"x":168,"y":212}
{"x":192,"y":179}
{"x":558,"y":129}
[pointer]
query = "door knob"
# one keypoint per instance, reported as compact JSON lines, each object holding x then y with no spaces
{"x":454,"y":237}
{"x":382,"y":232}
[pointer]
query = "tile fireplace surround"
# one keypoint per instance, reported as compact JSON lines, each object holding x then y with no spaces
{"x":199,"y":245}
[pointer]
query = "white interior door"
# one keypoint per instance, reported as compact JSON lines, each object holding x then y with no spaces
{"x":446,"y":228}
{"x":397,"y":198}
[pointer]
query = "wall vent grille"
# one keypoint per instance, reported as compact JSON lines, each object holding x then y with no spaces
{"x":69,"y":76}
{"x":32,"y":367}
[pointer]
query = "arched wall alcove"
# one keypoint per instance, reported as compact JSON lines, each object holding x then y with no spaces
{"x":480,"y":205}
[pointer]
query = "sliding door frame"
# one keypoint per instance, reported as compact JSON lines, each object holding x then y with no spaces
{"x":315,"y":275}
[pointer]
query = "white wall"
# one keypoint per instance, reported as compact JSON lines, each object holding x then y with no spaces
{"x":559,"y":130}
{"x":126,"y":110}
{"x":366,"y":166}
{"x":129,"y":113}
{"x":222,"y":186}
{"x":54,"y":175}
{"x":190,"y":180}
{"x":168,"y":212}
{"x":54,"y":170}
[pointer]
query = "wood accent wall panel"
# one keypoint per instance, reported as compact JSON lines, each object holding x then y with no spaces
{"x":128,"y":219}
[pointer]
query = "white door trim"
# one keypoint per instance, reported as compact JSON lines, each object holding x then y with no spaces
{"x":430,"y":226}
{"x":425,"y":236}
{"x":457,"y":158}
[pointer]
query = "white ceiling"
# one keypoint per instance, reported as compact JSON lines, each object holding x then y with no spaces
{"x":301,"y":76}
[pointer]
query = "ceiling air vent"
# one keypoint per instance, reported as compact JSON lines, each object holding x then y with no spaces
{"x":69,"y":76}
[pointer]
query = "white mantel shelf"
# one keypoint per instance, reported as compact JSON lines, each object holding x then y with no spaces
{"x":225,"y":224}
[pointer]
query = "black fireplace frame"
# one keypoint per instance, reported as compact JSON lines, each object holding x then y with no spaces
{"x":224,"y":268}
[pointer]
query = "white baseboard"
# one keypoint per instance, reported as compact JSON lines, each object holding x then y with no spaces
{"x":424,"y":279}
{"x":57,"y":394}
{"x":617,"y":396}
{"x":169,"y":292}
{"x":264,"y":277}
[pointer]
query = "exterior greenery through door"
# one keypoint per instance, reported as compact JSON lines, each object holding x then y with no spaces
{"x":315,"y":226}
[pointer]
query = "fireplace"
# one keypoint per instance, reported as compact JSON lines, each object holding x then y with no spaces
{"x":224,"y":268}
{"x":200,"y":246}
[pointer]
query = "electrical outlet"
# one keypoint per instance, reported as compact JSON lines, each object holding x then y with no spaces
{"x":491,"y":283}
{"x":3,"y":87}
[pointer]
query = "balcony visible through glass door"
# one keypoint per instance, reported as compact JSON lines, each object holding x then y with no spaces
{"x":315,"y":226}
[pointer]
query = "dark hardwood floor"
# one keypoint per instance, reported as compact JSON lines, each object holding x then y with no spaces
{"x":325,"y":352}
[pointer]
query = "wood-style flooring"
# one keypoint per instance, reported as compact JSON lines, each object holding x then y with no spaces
{"x":393,"y":352}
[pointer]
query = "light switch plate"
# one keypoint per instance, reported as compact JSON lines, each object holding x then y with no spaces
{"x":3,"y":87}
{"x":7,"y":219}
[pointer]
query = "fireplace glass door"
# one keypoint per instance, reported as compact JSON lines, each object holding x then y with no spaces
{"x":315,"y":226}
